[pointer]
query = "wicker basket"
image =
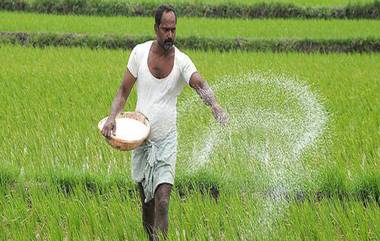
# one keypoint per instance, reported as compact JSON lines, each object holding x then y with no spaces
{"x":124,"y":145}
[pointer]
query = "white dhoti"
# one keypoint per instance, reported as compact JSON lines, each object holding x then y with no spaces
{"x":154,"y":162}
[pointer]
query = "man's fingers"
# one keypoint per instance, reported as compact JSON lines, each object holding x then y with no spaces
{"x":109,"y":133}
{"x":106,"y":131}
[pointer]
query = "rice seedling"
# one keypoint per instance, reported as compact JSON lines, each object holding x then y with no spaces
{"x":301,"y":123}
{"x":198,"y":27}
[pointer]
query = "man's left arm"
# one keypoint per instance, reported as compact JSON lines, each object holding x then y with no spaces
{"x":204,"y":91}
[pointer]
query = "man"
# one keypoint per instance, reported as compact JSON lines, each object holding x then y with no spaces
{"x":160,"y":72}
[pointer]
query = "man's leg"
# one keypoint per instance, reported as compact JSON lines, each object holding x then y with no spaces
{"x":162,"y":196}
{"x":147,"y":213}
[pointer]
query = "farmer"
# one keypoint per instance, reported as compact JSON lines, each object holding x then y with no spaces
{"x":160,"y":71}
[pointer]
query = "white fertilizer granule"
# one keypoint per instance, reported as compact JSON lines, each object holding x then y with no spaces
{"x":274,"y":119}
{"x":130,"y":130}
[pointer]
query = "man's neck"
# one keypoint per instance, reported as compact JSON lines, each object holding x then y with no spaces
{"x":158,"y":50}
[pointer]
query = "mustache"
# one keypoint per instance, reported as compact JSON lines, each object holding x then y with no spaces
{"x":169,"y":41}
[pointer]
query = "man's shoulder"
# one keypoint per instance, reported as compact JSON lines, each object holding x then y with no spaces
{"x":142,"y":46}
{"x":181,"y":56}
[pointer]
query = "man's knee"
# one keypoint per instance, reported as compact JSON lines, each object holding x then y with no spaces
{"x":148,"y":209}
{"x":162,"y":198}
{"x":162,"y":206}
{"x":149,"y":205}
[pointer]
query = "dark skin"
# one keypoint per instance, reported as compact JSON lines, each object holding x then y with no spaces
{"x":160,"y":64}
{"x":155,"y":212}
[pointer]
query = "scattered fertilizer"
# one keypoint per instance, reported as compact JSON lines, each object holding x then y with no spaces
{"x":286,"y":125}
{"x":274,"y":119}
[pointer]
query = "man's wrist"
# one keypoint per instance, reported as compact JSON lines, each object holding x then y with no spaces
{"x":112,"y":115}
{"x":215,"y":106}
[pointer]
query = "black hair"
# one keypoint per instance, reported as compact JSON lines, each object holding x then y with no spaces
{"x":162,"y":9}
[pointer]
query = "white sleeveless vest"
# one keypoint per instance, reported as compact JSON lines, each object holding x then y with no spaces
{"x":157,"y":98}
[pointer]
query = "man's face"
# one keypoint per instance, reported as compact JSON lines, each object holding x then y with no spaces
{"x":165,"y":32}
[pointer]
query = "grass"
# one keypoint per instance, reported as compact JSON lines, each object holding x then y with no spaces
{"x":51,"y":100}
{"x":54,"y":98}
{"x":219,"y":28}
{"x":296,"y":2}
{"x":50,"y":215}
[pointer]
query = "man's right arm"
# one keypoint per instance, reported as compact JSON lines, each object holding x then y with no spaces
{"x":118,"y":103}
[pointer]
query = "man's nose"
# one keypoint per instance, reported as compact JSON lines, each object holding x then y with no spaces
{"x":169,"y":35}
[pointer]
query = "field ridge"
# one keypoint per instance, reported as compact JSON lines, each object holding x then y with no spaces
{"x":37,"y":39}
{"x":226,"y":10}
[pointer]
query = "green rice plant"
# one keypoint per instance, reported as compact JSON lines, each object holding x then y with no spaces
{"x":60,"y":180}
{"x":367,"y":187}
{"x":271,"y":9}
{"x":332,"y":220}
{"x":192,"y":27}
{"x":33,"y":213}
{"x":297,"y":2}
{"x":52,"y":99}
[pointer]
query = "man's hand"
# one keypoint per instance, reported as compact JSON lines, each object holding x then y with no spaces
{"x":109,"y":127}
{"x":206,"y":94}
{"x":118,"y":103}
{"x":220,"y":116}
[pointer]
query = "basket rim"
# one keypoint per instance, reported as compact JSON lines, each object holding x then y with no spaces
{"x":113,"y":137}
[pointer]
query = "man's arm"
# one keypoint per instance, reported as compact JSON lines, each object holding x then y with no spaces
{"x":208,"y":97}
{"x":118,"y":103}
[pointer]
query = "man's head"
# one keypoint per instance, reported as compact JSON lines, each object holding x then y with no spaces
{"x":165,"y":26}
